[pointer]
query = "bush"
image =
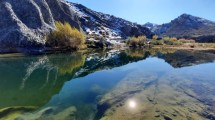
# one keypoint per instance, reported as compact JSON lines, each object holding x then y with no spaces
{"x":157,"y":42}
{"x":155,"y":37}
{"x":171,"y":41}
{"x":66,"y":36}
{"x":187,"y":41}
{"x":166,"y":38}
{"x":137,"y":41}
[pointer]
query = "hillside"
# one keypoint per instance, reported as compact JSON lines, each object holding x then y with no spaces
{"x":26,"y":23}
{"x":106,"y":25}
{"x":187,"y":26}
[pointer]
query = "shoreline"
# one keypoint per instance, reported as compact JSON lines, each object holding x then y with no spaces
{"x":20,"y":54}
{"x":184,"y":48}
{"x":47,"y":50}
{"x":189,"y":46}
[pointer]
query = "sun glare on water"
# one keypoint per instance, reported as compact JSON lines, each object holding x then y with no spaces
{"x":132,"y":104}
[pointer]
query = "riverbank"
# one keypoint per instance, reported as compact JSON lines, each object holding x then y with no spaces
{"x":185,"y":46}
{"x":189,"y":46}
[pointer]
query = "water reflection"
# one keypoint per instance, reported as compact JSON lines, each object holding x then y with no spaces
{"x":108,"y":85}
{"x":132,"y":104}
{"x":27,"y":83}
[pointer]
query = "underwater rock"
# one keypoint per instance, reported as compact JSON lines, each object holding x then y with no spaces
{"x":50,"y":113}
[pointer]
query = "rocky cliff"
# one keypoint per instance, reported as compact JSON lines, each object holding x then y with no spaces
{"x":24,"y":23}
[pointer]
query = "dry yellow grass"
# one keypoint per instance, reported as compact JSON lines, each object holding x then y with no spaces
{"x":137,"y":41}
{"x":66,"y":36}
{"x":155,"y":37}
{"x":186,"y":41}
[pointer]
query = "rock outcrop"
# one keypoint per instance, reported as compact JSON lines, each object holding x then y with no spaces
{"x":25,"y":23}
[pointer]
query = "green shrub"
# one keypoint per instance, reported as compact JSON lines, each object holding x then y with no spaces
{"x":137,"y":41}
{"x":166,"y":38}
{"x":66,"y":36}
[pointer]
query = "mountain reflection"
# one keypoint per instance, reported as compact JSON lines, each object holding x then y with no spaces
{"x":28,"y":83}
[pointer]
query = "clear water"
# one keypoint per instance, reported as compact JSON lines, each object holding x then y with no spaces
{"x":109,"y":85}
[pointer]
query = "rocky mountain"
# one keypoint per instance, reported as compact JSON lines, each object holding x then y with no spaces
{"x":151,"y":26}
{"x":24,"y":23}
{"x":187,"y":26}
{"x":108,"y":26}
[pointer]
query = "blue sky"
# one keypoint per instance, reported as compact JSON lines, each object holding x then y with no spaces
{"x":155,"y":11}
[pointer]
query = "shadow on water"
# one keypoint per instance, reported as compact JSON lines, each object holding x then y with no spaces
{"x":37,"y":83}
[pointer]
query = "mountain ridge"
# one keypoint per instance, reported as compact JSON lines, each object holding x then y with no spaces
{"x":99,"y":22}
{"x":187,"y":26}
{"x":25,"y":24}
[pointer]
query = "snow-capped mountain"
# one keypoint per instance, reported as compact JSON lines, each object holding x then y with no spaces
{"x":187,"y":26}
{"x":105,"y":25}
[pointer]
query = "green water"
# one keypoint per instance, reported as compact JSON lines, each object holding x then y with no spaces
{"x":158,"y":84}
